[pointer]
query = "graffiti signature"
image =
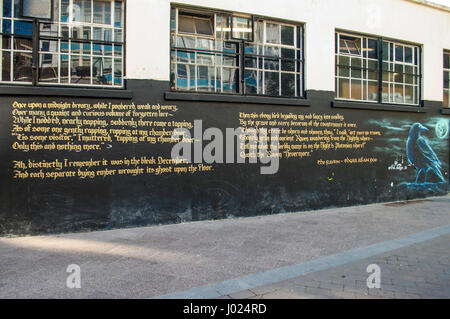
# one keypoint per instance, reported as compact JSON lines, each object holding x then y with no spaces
{"x":398,"y":167}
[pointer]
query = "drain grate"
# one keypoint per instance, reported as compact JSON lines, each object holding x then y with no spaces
{"x":407,"y":202}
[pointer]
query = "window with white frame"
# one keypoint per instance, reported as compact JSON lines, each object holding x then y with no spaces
{"x":235,"y":53}
{"x":357,"y":67}
{"x":401,"y":76}
{"x":373,"y":69}
{"x":83,"y":45}
{"x":446,"y":78}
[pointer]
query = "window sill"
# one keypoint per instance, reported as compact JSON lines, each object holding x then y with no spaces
{"x":378,"y":106}
{"x":445,"y":111}
{"x":66,"y":91}
{"x":205,"y":97}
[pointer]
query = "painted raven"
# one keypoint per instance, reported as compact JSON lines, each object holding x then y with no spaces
{"x":420,"y":154}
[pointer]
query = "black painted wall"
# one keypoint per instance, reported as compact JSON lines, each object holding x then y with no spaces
{"x":231,"y":190}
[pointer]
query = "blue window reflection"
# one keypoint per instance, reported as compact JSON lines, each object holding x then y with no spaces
{"x":23,"y":28}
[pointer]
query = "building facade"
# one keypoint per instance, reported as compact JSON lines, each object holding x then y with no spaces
{"x":129,"y":113}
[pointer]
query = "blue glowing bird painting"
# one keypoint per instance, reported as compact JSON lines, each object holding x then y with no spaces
{"x":421,"y":155}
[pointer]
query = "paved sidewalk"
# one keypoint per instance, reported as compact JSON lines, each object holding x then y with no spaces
{"x":149,"y":262}
{"x":415,"y":272}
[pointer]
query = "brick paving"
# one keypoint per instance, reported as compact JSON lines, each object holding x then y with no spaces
{"x":415,"y":272}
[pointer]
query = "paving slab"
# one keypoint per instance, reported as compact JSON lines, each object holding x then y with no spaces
{"x":149,"y":262}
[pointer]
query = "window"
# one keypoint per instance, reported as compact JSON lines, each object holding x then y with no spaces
{"x":372,"y":69}
{"x":82,"y":46}
{"x":235,"y":54}
{"x":446,"y":78}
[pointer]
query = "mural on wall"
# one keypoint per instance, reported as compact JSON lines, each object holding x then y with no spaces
{"x":419,"y":165}
{"x":422,"y":156}
{"x":84,"y":164}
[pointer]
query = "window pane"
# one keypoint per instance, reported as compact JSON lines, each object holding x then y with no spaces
{"x":230,"y":80}
{"x":65,"y":32}
{"x":373,"y":70}
{"x":344,"y":60}
{"x":118,"y":14}
{"x":82,"y":10}
{"x":229,"y":61}
{"x":356,"y":68}
{"x":287,"y":84}
{"x":272,"y":33}
{"x":64,"y":10}
{"x":251,"y":82}
{"x":205,"y":78}
{"x":7,"y":7}
{"x":356,"y":90}
{"x":118,"y":35}
{"x":23,"y":28}
{"x":64,"y":69}
{"x":446,"y":79}
{"x":446,"y":99}
{"x":16,"y":12}
{"x":102,"y":11}
{"x":206,"y":44}
{"x":409,"y":94}
{"x":373,"y":91}
{"x":446,"y":60}
{"x":206,"y":59}
{"x":271,"y":51}
{"x":391,"y":52}
{"x":372,"y":49}
{"x":35,"y":8}
{"x":251,"y":63}
{"x":48,"y":46}
{"x":271,"y":64}
{"x":398,"y":93}
{"x":80,"y":69}
{"x":79,"y":32}
{"x":23,"y":44}
{"x":242,"y":28}
{"x":48,"y":68}
{"x":350,"y":45}
{"x":288,"y":53}
{"x":117,"y":72}
{"x":344,"y":71}
{"x":204,"y":26}
{"x":64,"y":47}
{"x":287,"y":35}
{"x":408,"y":55}
{"x":343,"y":47}
{"x":287,"y":66}
{"x":102,"y":70}
{"x":409,"y":77}
{"x":48,"y":29}
{"x":223,"y":27}
{"x":399,"y":53}
{"x":385,"y":94}
{"x":398,"y":74}
{"x":22,"y":67}
{"x":6,"y":42}
{"x":272,"y":83}
{"x":344,"y":88}
{"x":185,"y":57}
{"x":186,"y":24}
{"x":185,"y":77}
{"x":6,"y":66}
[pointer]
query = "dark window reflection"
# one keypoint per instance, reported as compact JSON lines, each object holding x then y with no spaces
{"x":22,"y":67}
